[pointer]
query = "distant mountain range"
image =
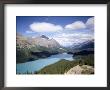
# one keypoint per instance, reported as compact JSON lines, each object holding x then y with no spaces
{"x":87,"y":45}
{"x":28,"y":49}
{"x":84,"y":48}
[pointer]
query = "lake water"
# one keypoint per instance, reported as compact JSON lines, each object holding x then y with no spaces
{"x":36,"y":65}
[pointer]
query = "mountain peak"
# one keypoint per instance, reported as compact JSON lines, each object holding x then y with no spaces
{"x":43,"y":36}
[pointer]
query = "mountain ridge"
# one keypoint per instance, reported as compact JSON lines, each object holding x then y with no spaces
{"x":28,"y":49}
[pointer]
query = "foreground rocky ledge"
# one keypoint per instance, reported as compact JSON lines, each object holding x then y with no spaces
{"x":84,"y":69}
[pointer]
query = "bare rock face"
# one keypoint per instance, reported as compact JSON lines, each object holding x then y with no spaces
{"x":43,"y":41}
{"x":75,"y":70}
{"x":46,"y":42}
{"x":84,"y":69}
{"x":22,"y":42}
{"x":28,"y":49}
{"x":43,"y":36}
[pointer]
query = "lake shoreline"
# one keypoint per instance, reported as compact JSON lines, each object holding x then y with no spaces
{"x":82,"y":64}
{"x":41,"y":63}
{"x":38,"y":58}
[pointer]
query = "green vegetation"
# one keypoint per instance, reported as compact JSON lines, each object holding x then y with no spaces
{"x":33,"y":53}
{"x":64,"y":65}
{"x":23,"y":55}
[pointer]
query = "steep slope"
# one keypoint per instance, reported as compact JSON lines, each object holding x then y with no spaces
{"x":22,"y":42}
{"x":28,"y":49}
{"x":46,"y":42}
{"x":43,"y":41}
{"x":86,"y":47}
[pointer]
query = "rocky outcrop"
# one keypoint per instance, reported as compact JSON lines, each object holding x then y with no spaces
{"x":84,"y":69}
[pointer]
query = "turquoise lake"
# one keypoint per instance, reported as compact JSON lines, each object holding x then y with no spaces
{"x":36,"y":65}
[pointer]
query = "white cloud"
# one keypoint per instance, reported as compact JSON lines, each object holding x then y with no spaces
{"x":90,"y":23}
{"x":75,"y":25}
{"x":49,"y":27}
{"x":45,"y":27}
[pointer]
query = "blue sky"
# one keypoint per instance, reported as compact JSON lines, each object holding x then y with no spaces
{"x":67,"y":30}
